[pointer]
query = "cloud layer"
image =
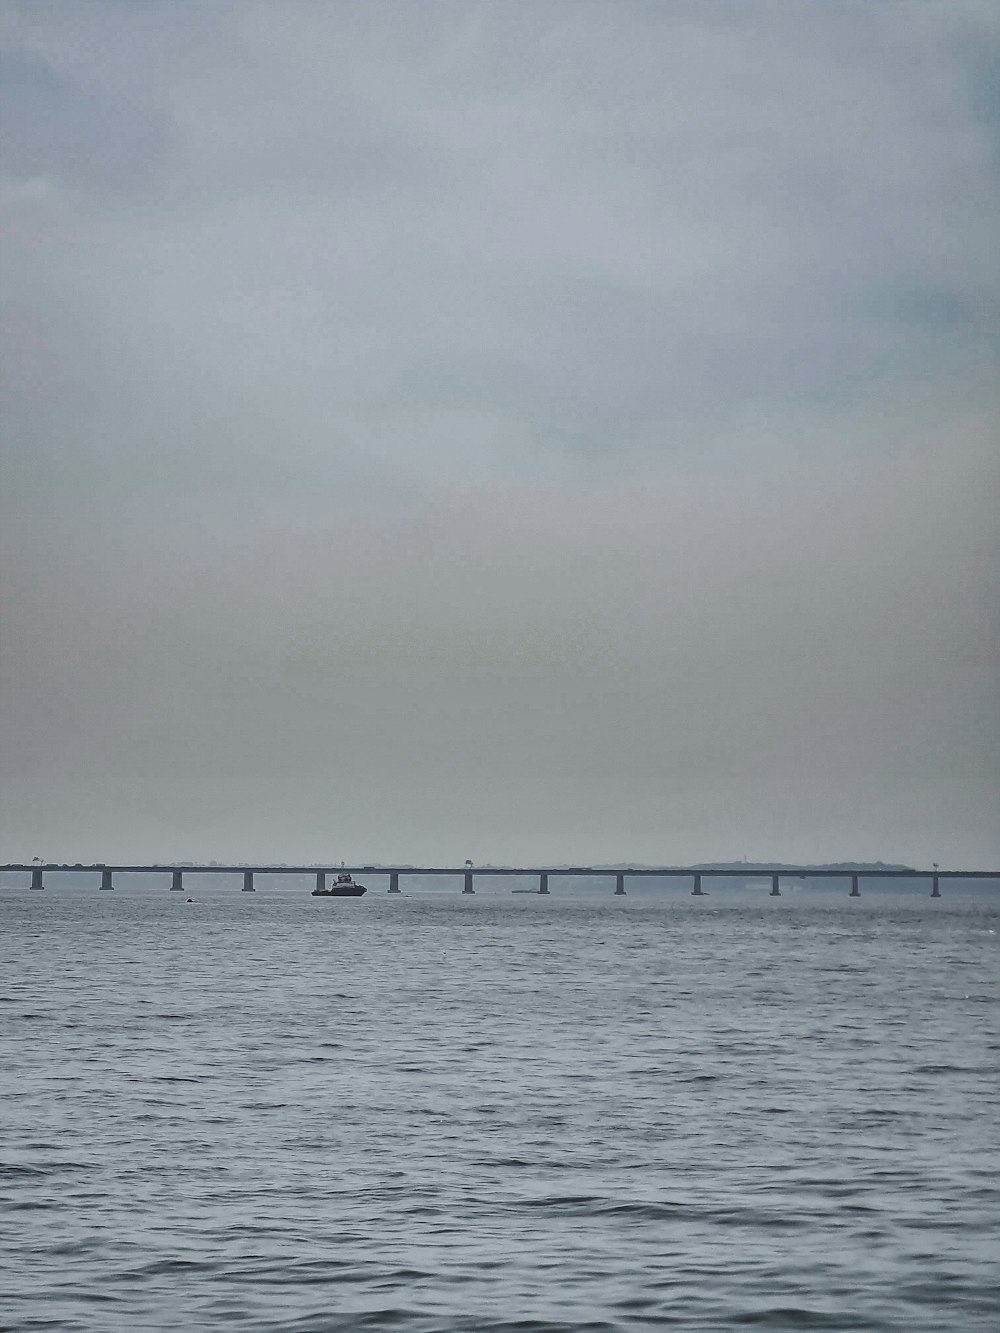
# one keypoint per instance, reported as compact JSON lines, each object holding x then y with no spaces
{"x":554,"y":431}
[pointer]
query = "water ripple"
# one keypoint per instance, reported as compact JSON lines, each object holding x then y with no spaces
{"x":498,"y":1115}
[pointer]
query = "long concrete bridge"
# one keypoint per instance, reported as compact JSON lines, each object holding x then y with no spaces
{"x":467,"y":874}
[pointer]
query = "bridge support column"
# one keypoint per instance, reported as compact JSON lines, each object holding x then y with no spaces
{"x":177,"y":882}
{"x":248,"y":882}
{"x":935,"y":888}
{"x":394,"y":882}
{"x":697,"y":891}
{"x":468,"y":883}
{"x":855,"y":891}
{"x":321,"y":880}
{"x":36,"y":878}
{"x":543,"y":883}
{"x":775,"y":890}
{"x":619,"y":886}
{"x":107,"y":879}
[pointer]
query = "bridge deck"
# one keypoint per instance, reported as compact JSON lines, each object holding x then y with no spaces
{"x":706,"y":872}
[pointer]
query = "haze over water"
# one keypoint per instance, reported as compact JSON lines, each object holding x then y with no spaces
{"x":440,"y":1113}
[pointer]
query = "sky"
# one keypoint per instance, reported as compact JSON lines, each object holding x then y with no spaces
{"x":531,"y":433}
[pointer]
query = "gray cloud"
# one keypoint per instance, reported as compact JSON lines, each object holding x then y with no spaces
{"x":556,"y":431}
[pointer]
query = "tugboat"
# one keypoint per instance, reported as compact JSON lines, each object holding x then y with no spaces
{"x":342,"y":887}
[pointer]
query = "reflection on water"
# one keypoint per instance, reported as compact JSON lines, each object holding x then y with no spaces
{"x":437,"y":1113}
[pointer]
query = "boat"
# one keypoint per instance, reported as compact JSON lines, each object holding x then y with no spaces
{"x":342,"y":887}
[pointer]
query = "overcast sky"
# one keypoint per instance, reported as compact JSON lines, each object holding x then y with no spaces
{"x":516,"y":431}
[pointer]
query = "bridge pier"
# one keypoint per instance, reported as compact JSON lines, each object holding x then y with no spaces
{"x":619,"y":886}
{"x":855,"y":891}
{"x":697,"y":891}
{"x":177,"y":882}
{"x":468,"y":883}
{"x":394,"y":882}
{"x":775,"y":890}
{"x":107,"y":879}
{"x":36,"y":878}
{"x":543,"y":883}
{"x":935,"y":888}
{"x":321,"y":880}
{"x":248,"y":882}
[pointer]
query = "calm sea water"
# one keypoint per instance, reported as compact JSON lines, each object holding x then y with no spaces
{"x":443,"y":1113}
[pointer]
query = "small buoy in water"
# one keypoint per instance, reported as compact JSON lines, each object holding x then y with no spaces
{"x":190,"y":900}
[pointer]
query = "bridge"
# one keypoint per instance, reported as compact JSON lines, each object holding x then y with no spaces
{"x":467,"y":874}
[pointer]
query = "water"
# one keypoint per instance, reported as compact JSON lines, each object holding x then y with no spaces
{"x":443,"y":1113}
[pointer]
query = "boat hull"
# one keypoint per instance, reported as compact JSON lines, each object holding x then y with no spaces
{"x":341,"y":891}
